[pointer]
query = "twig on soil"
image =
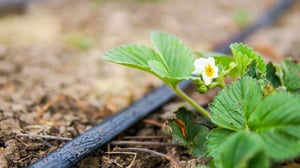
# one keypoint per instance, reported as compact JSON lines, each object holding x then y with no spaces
{"x":130,"y":153}
{"x":169,"y":157}
{"x":44,"y":137}
{"x":145,"y":143}
{"x":146,"y":137}
{"x":25,"y":144}
{"x":25,"y":158}
{"x":45,"y":142}
{"x":153,"y":122}
{"x":58,"y":99}
{"x":108,"y":149}
{"x":116,"y":163}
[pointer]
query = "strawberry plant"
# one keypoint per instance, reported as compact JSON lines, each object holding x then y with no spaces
{"x":253,"y":122}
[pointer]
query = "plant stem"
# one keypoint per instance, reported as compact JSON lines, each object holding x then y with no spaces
{"x":191,"y":101}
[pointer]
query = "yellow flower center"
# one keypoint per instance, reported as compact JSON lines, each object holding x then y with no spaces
{"x":209,"y":70}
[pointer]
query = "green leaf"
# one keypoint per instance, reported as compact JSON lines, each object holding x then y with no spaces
{"x":224,"y":61}
{"x":187,"y":132}
{"x":242,"y":150}
{"x":277,"y":121}
{"x":251,"y":69}
{"x":244,"y":55}
{"x":272,"y":76}
{"x":177,"y":56}
{"x":232,"y":106}
{"x":275,"y":118}
{"x":136,"y":56}
{"x":207,"y":54}
{"x":172,"y":63}
{"x":291,"y":75}
{"x":158,"y":68}
{"x":216,"y":138}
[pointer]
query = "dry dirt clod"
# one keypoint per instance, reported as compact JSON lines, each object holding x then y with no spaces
{"x":11,"y":151}
{"x":3,"y":161}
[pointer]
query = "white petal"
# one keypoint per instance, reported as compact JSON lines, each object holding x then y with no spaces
{"x":211,"y":61}
{"x":199,"y":65}
{"x":197,"y":71}
{"x":215,"y":72}
{"x":200,"y":62}
{"x":206,"y":79}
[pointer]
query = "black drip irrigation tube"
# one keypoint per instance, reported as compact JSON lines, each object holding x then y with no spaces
{"x":12,"y":7}
{"x":85,"y":144}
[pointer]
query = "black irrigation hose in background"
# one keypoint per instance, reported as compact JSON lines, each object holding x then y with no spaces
{"x":267,"y":19}
{"x":12,"y":7}
{"x":85,"y":144}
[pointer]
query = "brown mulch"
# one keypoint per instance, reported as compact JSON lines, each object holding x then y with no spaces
{"x":53,"y":81}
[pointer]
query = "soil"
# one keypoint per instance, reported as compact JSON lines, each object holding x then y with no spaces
{"x":53,"y":81}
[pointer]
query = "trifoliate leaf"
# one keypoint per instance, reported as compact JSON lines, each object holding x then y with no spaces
{"x":277,"y":121}
{"x":242,"y":150}
{"x":274,"y":118}
{"x":177,"y":56}
{"x":244,"y":55}
{"x":187,"y":132}
{"x":172,"y":63}
{"x":232,"y":106}
{"x":291,"y":75}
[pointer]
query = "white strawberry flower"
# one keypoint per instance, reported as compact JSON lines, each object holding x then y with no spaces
{"x":207,"y":68}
